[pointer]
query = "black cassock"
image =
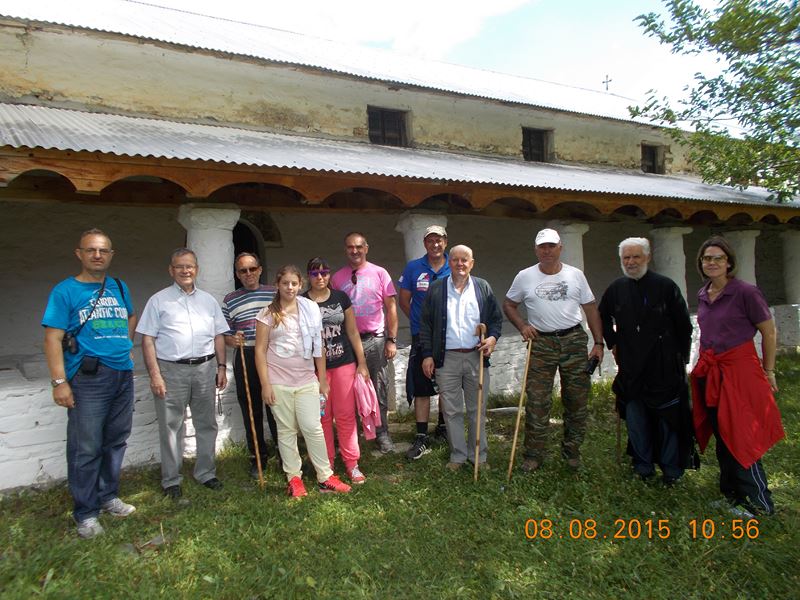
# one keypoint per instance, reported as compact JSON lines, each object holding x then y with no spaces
{"x":648,"y":322}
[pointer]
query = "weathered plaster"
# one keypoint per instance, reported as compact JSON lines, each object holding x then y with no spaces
{"x":193,"y":85}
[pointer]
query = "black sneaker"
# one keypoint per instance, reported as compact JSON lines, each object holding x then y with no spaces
{"x":254,"y":468}
{"x":420,"y":447}
{"x":213,"y":484}
{"x":440,"y":435}
{"x":173,"y":492}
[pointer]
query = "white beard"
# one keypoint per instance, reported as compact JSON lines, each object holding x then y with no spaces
{"x":637,"y":277}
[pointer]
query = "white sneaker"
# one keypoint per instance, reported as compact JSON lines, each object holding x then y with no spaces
{"x":356,"y":476}
{"x":117,"y":508}
{"x":89,"y":528}
{"x":741,"y":512}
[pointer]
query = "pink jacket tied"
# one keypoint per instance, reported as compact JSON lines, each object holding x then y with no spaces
{"x":368,"y":408}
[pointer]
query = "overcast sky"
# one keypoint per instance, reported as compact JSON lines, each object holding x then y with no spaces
{"x":576,"y":42}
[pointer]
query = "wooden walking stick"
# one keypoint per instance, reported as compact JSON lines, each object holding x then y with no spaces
{"x":481,"y":331}
{"x":252,"y":419}
{"x":519,"y":410}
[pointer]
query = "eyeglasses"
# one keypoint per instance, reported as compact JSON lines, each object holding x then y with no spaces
{"x":247,"y":270}
{"x":184,"y":267}
{"x":319,"y":272}
{"x":353,"y":277}
{"x":713,"y":258}
{"x":101,"y":251}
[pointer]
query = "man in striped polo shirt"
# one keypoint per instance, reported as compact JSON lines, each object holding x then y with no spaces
{"x":240,"y":308}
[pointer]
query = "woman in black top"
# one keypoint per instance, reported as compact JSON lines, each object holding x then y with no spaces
{"x":345,"y":361}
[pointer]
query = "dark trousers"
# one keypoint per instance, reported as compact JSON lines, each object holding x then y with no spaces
{"x":378,"y":368}
{"x":258,"y":406}
{"x":97,"y":433}
{"x":649,"y":436}
{"x":747,"y":487}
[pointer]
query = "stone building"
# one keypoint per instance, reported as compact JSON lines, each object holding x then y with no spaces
{"x":165,"y":128}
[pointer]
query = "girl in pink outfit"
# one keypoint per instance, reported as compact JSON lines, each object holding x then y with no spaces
{"x":288,"y":349}
{"x":344,"y":358}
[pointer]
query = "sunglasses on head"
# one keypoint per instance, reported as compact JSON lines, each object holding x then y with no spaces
{"x":318,"y":272}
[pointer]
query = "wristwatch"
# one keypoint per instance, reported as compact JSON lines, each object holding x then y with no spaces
{"x":57,"y":382}
{"x":391,"y":339}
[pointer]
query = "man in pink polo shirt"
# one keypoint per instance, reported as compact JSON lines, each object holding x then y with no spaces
{"x":372,"y":292}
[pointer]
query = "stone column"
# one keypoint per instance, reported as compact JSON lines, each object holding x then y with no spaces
{"x":669,"y":258}
{"x":572,"y":240}
{"x":744,"y":244}
{"x":791,"y":259}
{"x":413,"y":226}
{"x":209,"y":229}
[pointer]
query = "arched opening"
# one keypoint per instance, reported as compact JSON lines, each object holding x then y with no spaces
{"x":515,"y":208}
{"x":143,"y":190}
{"x":627,"y":213}
{"x":739,"y":219}
{"x":255,"y":232}
{"x":258,"y":195}
{"x":770,"y":220}
{"x":446,"y":203}
{"x":706,"y":218}
{"x":363,"y":199}
{"x":41,"y":182}
{"x":580,"y":211}
{"x":668,"y":216}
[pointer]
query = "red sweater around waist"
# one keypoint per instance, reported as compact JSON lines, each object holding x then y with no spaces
{"x":748,"y":418}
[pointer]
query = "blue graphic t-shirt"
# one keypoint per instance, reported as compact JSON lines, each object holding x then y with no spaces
{"x":417,"y":278}
{"x":105,"y":335}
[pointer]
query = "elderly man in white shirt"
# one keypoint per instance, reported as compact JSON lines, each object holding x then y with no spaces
{"x":182,"y":330}
{"x":451,"y":312}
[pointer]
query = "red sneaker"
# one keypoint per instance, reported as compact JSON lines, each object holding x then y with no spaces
{"x":356,"y":476}
{"x":333,"y":484}
{"x":296,"y":488}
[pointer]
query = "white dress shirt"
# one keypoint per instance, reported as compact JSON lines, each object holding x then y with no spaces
{"x":463,"y":316}
{"x":183,"y":325}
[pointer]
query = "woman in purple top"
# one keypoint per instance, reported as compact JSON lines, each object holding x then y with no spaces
{"x":732,"y":388}
{"x":344,"y":358}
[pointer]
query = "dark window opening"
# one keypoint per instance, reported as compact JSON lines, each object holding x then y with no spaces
{"x":536,"y":144}
{"x":387,"y":127}
{"x":653,"y":159}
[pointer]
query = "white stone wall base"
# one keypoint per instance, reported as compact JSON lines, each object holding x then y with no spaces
{"x":33,"y":428}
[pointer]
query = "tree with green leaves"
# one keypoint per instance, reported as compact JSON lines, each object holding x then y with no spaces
{"x":741,"y":126}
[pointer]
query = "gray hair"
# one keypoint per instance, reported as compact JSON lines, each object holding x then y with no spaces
{"x":635,"y":241}
{"x":178,"y":252}
{"x":462,"y":248}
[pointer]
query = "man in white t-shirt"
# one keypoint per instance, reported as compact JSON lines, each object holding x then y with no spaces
{"x":554,"y":294}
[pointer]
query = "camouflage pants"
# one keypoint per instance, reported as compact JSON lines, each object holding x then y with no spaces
{"x":568,"y":355}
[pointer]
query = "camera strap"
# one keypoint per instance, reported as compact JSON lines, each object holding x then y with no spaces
{"x":94,"y":306}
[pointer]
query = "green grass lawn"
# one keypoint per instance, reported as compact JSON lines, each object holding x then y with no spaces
{"x":416,"y":530}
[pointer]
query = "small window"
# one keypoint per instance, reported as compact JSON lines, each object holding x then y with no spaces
{"x":536,"y":144}
{"x":653,"y":159}
{"x":387,"y":127}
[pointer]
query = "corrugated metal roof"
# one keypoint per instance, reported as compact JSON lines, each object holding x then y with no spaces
{"x":169,"y":25}
{"x":24,"y":126}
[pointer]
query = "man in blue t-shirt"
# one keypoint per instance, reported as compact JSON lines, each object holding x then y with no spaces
{"x":414,"y":283}
{"x":89,"y":323}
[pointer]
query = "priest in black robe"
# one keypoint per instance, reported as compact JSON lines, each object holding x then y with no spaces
{"x":646,"y":325}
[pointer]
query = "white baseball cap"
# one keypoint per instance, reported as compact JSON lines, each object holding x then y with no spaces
{"x":547,"y":236}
